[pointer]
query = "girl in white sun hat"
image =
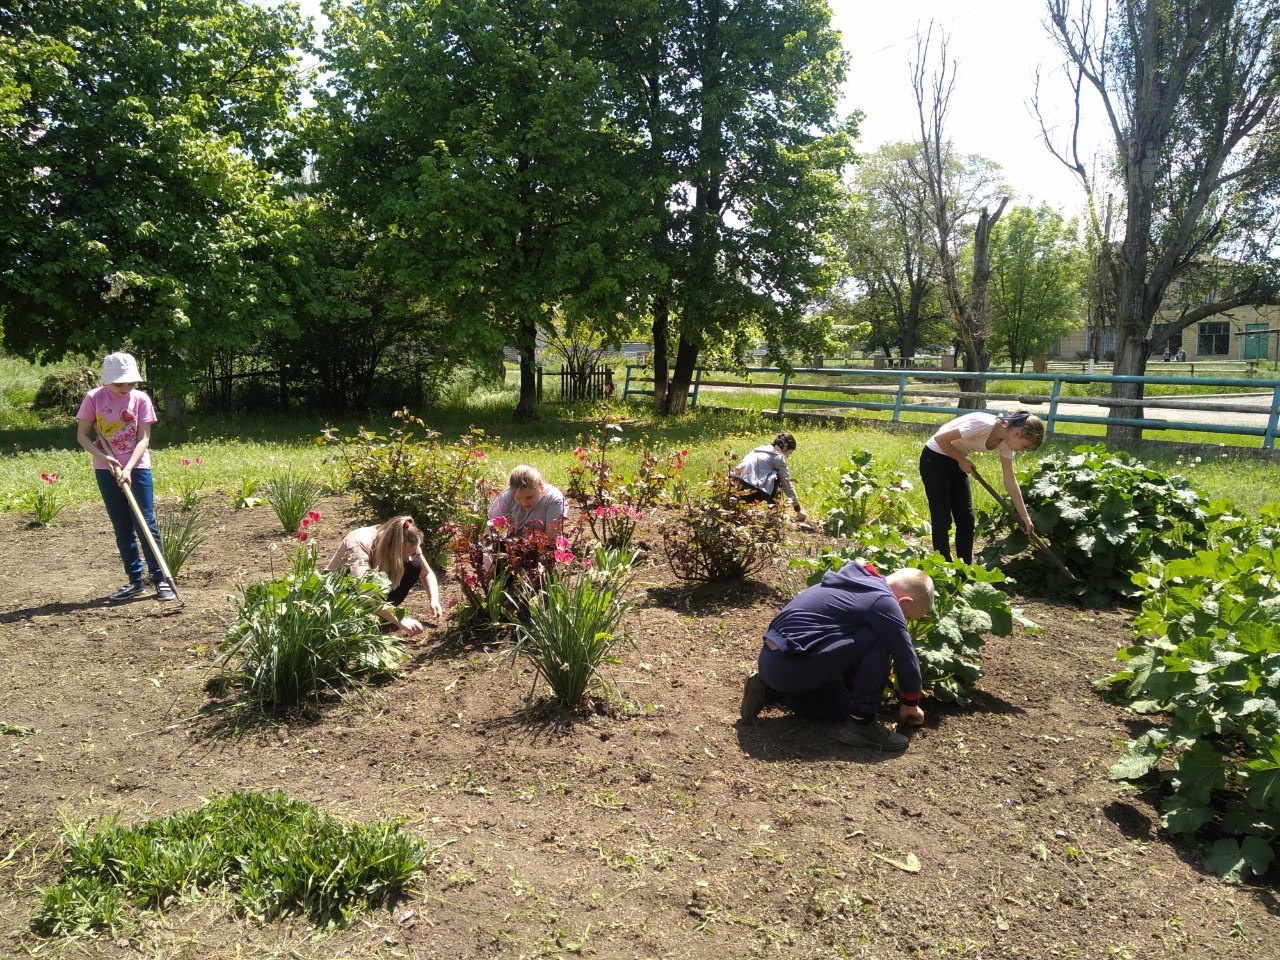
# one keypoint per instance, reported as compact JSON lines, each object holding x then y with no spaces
{"x":119,"y":416}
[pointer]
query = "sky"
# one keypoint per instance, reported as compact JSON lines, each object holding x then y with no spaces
{"x":997,"y":46}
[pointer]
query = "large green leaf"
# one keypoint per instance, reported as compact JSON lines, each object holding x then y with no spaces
{"x":1235,"y":861}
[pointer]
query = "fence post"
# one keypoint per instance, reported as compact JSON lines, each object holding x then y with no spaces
{"x":539,"y":382}
{"x":626,"y":385}
{"x":697,"y":380}
{"x":782,"y":397}
{"x":1269,"y":438}
{"x":897,"y":400}
{"x":1053,"y":404}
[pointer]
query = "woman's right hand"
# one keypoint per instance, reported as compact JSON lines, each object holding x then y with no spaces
{"x":966,"y":465}
{"x":411,"y":626}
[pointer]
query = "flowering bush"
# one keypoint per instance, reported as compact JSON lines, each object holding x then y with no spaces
{"x":188,"y":483}
{"x":721,"y":536}
{"x":498,"y":569}
{"x":870,"y":497}
{"x":611,"y":505}
{"x":443,"y":486}
{"x":47,"y":500}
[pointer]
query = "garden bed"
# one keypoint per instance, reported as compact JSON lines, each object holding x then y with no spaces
{"x":667,"y":829}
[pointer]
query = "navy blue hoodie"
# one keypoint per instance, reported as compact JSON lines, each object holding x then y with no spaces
{"x":850,"y":605}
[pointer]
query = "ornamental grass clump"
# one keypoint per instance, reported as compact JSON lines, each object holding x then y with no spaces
{"x":292,"y":497}
{"x":182,"y":532}
{"x":719,"y":535}
{"x":443,"y":486}
{"x":307,"y":632}
{"x":572,"y":626}
{"x":271,"y":855}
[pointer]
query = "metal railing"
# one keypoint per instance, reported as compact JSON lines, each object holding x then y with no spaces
{"x":898,"y":398}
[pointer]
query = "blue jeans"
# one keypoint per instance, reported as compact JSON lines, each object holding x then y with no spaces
{"x":845,"y":679}
{"x":123,"y":523}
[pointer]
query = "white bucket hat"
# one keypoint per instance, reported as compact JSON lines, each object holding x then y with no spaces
{"x":120,"y":368}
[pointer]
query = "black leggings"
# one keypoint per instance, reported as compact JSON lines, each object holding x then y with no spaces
{"x":412,"y":573}
{"x":947,"y":488}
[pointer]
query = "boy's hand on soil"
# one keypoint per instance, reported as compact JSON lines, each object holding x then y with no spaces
{"x":910,"y":714}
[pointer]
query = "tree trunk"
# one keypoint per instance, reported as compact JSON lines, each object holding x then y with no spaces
{"x":661,"y":326}
{"x":682,"y":378}
{"x":527,"y":408}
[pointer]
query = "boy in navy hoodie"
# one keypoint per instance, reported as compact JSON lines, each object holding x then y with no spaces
{"x":827,"y":654}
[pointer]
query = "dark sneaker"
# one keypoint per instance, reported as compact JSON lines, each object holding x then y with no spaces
{"x":128,"y":590}
{"x":755,"y":695}
{"x":872,"y":736}
{"x":164,"y":591}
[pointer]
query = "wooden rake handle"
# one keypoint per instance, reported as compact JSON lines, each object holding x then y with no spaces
{"x":1035,"y":538}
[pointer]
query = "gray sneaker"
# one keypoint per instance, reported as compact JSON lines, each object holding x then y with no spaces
{"x":755,"y":696}
{"x":872,"y":736}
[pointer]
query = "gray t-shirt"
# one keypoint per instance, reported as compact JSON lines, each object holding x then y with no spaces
{"x":551,"y":507}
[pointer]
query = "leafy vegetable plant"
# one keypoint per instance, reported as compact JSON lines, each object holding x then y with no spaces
{"x":869,"y":496}
{"x":1208,"y":660}
{"x":1107,"y":516}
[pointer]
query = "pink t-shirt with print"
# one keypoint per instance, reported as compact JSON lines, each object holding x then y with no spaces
{"x":117,"y":419}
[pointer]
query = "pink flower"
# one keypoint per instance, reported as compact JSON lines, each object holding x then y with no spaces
{"x":199,"y":461}
{"x":186,"y":463}
{"x":562,"y":542}
{"x":306,"y":521}
{"x":49,"y":477}
{"x":601,"y":511}
{"x":563,"y":556}
{"x":683,"y":454}
{"x":499,"y":523}
{"x":469,"y":579}
{"x":478,"y":454}
{"x":313,"y":516}
{"x":302,"y":536}
{"x":128,"y":416}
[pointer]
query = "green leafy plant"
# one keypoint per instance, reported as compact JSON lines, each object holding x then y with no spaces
{"x":720,"y":536}
{"x":1107,"y":516}
{"x":571,"y":628}
{"x":869,"y":496}
{"x":271,"y":854}
{"x":245,"y":496}
{"x":292,"y":496}
{"x":306,"y":632}
{"x":182,"y":533}
{"x":443,"y":486}
{"x":188,"y":483}
{"x":968,"y":607}
{"x":46,"y":500}
{"x":1208,"y":660}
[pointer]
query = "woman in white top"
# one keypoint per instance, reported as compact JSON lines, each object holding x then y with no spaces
{"x":945,"y":469}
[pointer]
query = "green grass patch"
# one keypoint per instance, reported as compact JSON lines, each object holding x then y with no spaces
{"x":272,"y":856}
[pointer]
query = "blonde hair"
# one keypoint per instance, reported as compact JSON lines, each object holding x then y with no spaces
{"x":1027,"y":424}
{"x":914,"y":583}
{"x":389,"y":545}
{"x":525,"y":477}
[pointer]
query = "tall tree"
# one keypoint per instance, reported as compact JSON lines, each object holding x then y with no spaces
{"x":473,"y":136}
{"x":960,"y":199}
{"x":889,"y":251}
{"x":1189,"y":89}
{"x":148,"y":203}
{"x":1037,"y":267}
{"x":735,"y":105}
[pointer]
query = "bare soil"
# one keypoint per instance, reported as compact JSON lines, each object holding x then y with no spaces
{"x":667,"y":828}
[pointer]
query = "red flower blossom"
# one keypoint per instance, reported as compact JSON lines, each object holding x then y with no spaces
{"x":478,"y":454}
{"x":313,"y":516}
{"x":302,"y":536}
